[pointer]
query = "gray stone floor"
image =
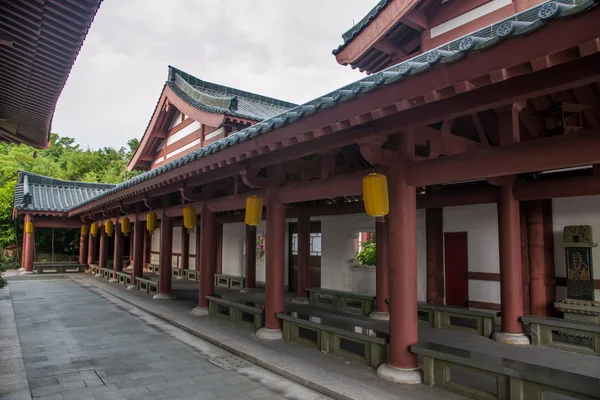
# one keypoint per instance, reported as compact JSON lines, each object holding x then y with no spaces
{"x":76,"y":344}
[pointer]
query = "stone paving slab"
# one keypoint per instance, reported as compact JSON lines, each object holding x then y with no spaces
{"x":329,"y":374}
{"x":74,"y":353}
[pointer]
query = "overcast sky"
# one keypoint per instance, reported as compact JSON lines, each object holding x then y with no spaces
{"x":278,"y":48}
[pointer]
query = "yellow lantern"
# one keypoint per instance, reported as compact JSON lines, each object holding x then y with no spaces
{"x":84,"y":230}
{"x":125,"y":226}
{"x":375,"y":195}
{"x":190,"y":218}
{"x":29,"y":227}
{"x":151,"y":222}
{"x":94,"y":229}
{"x":254,"y":207}
{"x":109,"y":227}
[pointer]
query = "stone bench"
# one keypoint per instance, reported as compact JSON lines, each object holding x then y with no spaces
{"x":58,"y":268}
{"x":95,"y":269}
{"x":354,"y":303}
{"x":469,"y":320}
{"x":371,"y":350}
{"x":176,"y":272}
{"x":229,"y":281}
{"x":107,"y":272}
{"x":124,"y":277}
{"x":236,"y":312}
{"x":484,"y":376}
{"x":582,"y":337}
{"x":147,"y":285}
{"x":191,"y":275}
{"x":153,"y":268}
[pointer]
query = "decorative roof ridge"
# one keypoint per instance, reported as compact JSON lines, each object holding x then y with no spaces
{"x":38,"y":179}
{"x":193,"y":81}
{"x":519,"y":24}
{"x":357,"y":28}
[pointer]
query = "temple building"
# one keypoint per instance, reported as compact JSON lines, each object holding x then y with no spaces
{"x":482,"y":115}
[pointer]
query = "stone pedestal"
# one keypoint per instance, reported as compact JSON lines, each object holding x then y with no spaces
{"x":580,"y":310}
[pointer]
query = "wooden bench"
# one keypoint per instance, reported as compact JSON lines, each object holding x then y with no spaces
{"x":191,"y":275}
{"x":58,"y":268}
{"x":582,"y":337}
{"x":147,"y":285}
{"x":236,"y":312}
{"x":483,"y":376}
{"x":469,"y":320}
{"x":107,"y":272}
{"x":229,"y":281}
{"x":371,"y":350}
{"x":354,"y":303}
{"x":124,"y":277}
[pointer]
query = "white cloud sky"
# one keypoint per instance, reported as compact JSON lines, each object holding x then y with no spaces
{"x":278,"y":48}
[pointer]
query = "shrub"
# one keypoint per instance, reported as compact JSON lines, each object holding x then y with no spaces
{"x":367,"y":254}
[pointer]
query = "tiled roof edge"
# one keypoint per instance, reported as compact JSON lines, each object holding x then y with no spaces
{"x":517,"y":25}
{"x":351,"y":33}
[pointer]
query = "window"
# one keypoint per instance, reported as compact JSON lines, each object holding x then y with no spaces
{"x":364,"y":248}
{"x":315,"y":244}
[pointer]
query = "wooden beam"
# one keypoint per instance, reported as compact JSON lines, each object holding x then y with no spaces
{"x":480,"y":131}
{"x":565,"y":151}
{"x":557,"y":188}
{"x":417,"y":20}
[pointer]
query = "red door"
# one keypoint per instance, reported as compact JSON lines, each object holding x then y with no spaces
{"x":456,"y":262}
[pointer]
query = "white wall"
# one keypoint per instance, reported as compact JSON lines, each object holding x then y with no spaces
{"x":262,"y":264}
{"x":481,"y":224}
{"x":574,"y":211}
{"x":233,"y":248}
{"x":338,"y":267}
{"x":154,"y":258}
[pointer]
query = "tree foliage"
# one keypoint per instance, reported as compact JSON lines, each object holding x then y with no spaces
{"x":367,"y":255}
{"x":62,"y":160}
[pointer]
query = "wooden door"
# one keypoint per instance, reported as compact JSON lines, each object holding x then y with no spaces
{"x":456,"y":262}
{"x":315,"y":257}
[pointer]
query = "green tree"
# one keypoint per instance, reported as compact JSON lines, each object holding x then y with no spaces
{"x":367,"y":255}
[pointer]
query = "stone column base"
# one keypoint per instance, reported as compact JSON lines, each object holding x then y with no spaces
{"x":519,"y":339}
{"x":21,"y":269}
{"x":379,"y":315}
{"x":409,"y":376}
{"x":201,"y":311}
{"x":300,"y":300}
{"x":26,"y":272}
{"x":113,"y":280}
{"x":131,"y":287}
{"x":269,"y":334}
{"x":98,"y":275}
{"x":180,"y":277}
{"x":247,"y":290}
{"x":162,"y":296}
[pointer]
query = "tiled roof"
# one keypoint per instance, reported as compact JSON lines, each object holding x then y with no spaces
{"x":35,"y":192}
{"x":518,"y":25}
{"x":351,"y":33}
{"x":220,"y":99}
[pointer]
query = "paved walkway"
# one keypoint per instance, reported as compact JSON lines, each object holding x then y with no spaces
{"x":79,"y":344}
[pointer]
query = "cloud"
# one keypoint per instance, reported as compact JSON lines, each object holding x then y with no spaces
{"x":276,"y":48}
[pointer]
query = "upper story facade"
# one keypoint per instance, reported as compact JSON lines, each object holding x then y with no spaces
{"x":397,"y":30}
{"x":192,"y":113}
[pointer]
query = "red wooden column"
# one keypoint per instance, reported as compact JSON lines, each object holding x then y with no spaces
{"x":434,"y":227}
{"x":138,"y":252}
{"x":537,"y":262}
{"x":83,"y":249}
{"x":118,"y":252}
{"x":250,"y":274}
{"x":131,"y":246}
{"x":103,"y":252}
{"x":147,"y":245}
{"x":402,"y":249}
{"x":24,"y":249}
{"x":275,"y":268}
{"x":29,"y":253}
{"x":511,"y":279}
{"x":382,"y":284}
{"x":185,"y":251}
{"x":303,"y":259}
{"x":165,"y":259}
{"x":91,"y":256}
{"x":207,"y":255}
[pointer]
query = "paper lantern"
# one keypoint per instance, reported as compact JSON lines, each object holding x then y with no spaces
{"x":29,"y":227}
{"x":190,"y":218}
{"x":94,"y":229}
{"x":125,"y":226}
{"x":375,"y":195}
{"x":254,"y":207}
{"x":109,"y":227}
{"x":84,"y":230}
{"x":151,"y":222}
